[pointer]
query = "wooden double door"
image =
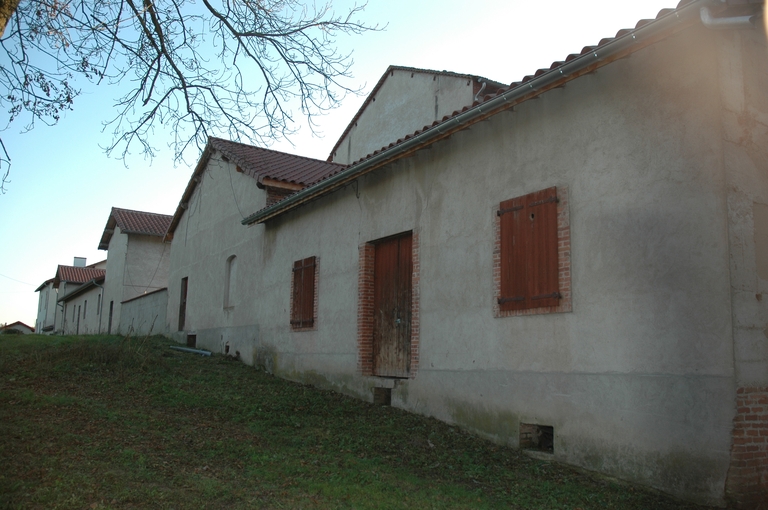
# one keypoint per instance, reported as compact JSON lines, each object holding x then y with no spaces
{"x":392,"y":294}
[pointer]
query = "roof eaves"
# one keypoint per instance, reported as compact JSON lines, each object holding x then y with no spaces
{"x":82,"y":289}
{"x":189,"y":190}
{"x":42,"y":285}
{"x":109,"y":229}
{"x":224,"y":146}
{"x":591,"y":58}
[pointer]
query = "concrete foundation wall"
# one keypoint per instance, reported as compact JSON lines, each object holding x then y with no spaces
{"x":639,"y":380}
{"x":145,"y":315}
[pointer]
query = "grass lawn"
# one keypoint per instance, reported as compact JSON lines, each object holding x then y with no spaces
{"x":104,"y":422}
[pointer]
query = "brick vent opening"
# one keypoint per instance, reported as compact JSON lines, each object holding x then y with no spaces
{"x":382,"y":396}
{"x":192,"y":341}
{"x":537,"y":437}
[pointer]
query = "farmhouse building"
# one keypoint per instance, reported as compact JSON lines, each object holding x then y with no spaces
{"x":79,"y":317}
{"x":71,"y":283}
{"x":18,"y":327}
{"x":137,"y":265}
{"x":576,"y":262}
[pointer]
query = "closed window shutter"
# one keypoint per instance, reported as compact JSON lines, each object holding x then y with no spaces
{"x":308,"y":308}
{"x":529,"y":258}
{"x":541,"y":209}
{"x":302,"y":312}
{"x":513,"y":254}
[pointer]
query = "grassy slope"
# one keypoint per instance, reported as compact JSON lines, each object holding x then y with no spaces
{"x":112,"y":423}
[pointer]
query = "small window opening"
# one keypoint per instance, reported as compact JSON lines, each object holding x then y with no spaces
{"x":537,"y":437}
{"x":192,"y":341}
{"x":229,"y":282}
{"x":382,"y":396}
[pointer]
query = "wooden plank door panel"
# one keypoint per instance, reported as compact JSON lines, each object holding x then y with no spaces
{"x":393,"y":268}
{"x":542,"y":255}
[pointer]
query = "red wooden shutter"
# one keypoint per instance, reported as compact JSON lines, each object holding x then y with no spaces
{"x":308,"y":291}
{"x":513,"y":254}
{"x":541,"y":209}
{"x":297,"y":288}
{"x":529,"y":265}
{"x":303,"y":310}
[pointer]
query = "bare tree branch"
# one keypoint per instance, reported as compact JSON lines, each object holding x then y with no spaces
{"x":234,"y":68}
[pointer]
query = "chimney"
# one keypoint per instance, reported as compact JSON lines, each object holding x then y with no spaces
{"x":79,"y":262}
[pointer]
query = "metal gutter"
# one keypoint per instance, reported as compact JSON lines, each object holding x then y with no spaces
{"x":735,"y":22}
{"x":484,"y":110}
{"x":81,"y":289}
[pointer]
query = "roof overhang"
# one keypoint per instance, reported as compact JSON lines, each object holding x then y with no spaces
{"x":189,"y":190}
{"x":44,"y":284}
{"x":96,"y":282}
{"x":109,"y":229}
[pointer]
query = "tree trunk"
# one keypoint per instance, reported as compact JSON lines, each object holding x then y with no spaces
{"x":7,"y":8}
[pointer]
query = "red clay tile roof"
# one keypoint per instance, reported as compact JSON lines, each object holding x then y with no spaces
{"x":260,"y":163}
{"x":491,"y":86}
{"x":95,"y":282}
{"x":17,"y":323}
{"x":134,"y":222}
{"x":74,"y":274}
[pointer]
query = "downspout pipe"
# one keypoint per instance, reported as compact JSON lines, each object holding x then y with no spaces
{"x":466,"y":118}
{"x":734,"y":22}
{"x":480,"y":92}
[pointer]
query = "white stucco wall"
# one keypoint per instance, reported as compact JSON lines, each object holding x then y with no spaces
{"x":61,"y":318}
{"x":406,"y":102}
{"x":82,"y":313}
{"x":207,"y":235}
{"x":136,"y":264}
{"x":665,"y":167}
{"x":113,"y":282}
{"x":744,"y":78}
{"x":145,"y":315}
{"x":46,"y":309}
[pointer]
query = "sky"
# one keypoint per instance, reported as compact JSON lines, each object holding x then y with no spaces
{"x":63,"y":185}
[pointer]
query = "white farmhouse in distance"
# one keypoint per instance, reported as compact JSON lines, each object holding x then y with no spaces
{"x":68,"y":282}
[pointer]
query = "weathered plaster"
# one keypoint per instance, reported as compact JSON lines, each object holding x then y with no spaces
{"x":639,"y":379}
